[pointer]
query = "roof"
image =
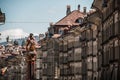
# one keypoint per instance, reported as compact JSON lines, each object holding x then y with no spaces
{"x":71,"y":18}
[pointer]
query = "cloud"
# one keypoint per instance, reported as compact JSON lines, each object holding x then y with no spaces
{"x":13,"y":34}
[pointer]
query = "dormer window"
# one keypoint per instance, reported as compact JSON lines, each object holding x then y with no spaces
{"x":79,"y":20}
{"x":61,"y":31}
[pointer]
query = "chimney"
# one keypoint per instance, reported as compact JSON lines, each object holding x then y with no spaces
{"x":84,"y":9}
{"x":79,"y":7}
{"x":51,"y":24}
{"x":68,"y":10}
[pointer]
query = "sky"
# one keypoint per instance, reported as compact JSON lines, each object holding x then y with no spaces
{"x":34,"y":16}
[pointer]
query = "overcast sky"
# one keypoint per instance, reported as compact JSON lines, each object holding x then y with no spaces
{"x":35,"y":15}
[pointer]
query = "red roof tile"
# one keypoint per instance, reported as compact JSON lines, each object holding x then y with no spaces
{"x":71,"y":18}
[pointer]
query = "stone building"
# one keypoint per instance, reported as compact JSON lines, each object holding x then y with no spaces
{"x":84,"y":47}
{"x":69,"y":58}
{"x":108,"y":19}
{"x":88,"y":41}
{"x":62,"y":43}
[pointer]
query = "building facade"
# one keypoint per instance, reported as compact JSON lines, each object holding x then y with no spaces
{"x":108,"y":38}
{"x":84,"y":47}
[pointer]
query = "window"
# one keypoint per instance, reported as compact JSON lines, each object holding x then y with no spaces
{"x":95,"y":63}
{"x":95,"y":48}
{"x":61,"y":31}
{"x":79,"y":20}
{"x":89,"y":48}
{"x":116,"y":50}
{"x":116,"y":17}
{"x":89,"y":63}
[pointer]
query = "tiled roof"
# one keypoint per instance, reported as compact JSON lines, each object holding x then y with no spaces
{"x":71,"y":18}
